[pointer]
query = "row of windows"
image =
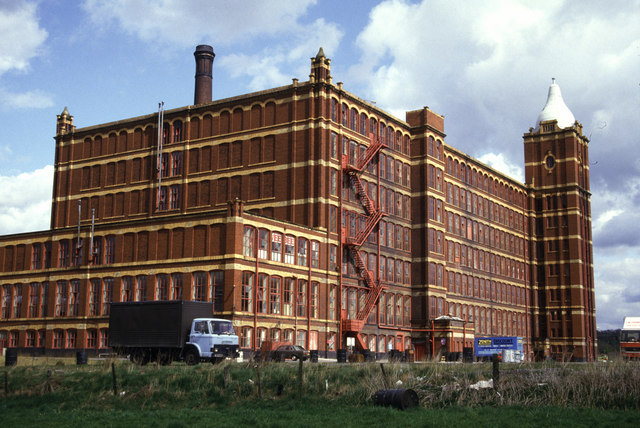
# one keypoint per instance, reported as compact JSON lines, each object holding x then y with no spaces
{"x":278,"y":247}
{"x":486,"y":320}
{"x":389,"y":234}
{"x":483,"y":234}
{"x":376,"y":343}
{"x":391,"y":169}
{"x":479,"y":288}
{"x":391,"y":202}
{"x":62,"y":339}
{"x":485,"y":261}
{"x":394,"y":309}
{"x":482,"y":207}
{"x":279,"y":296}
{"x":363,"y":124}
{"x":390,"y":270}
{"x":206,"y":287}
{"x":477,"y":179}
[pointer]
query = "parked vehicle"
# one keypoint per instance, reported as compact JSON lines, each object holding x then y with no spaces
{"x":630,"y":339}
{"x":166,"y":331}
{"x":290,"y":352}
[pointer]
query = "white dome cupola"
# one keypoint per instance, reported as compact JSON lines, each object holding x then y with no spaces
{"x":555,"y":109}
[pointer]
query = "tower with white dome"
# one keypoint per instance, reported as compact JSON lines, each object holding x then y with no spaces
{"x":557,"y":177}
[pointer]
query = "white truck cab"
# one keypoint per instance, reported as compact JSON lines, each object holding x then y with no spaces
{"x":213,"y":338}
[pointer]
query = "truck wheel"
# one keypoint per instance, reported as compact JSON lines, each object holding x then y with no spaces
{"x":191,"y":357}
{"x":139,"y":357}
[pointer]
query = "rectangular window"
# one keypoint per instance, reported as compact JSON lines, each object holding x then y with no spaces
{"x":261,"y":294}
{"x":45,"y":300}
{"x":314,"y":300}
{"x":107,"y":290}
{"x":127,"y":289}
{"x":332,"y":302}
{"x":141,"y":288}
{"x":175,"y":197}
{"x":176,"y":286}
{"x":92,"y":338}
{"x":302,"y":251}
{"x":274,"y":295}
{"x":162,"y":285}
{"x":61,"y":298}
{"x":276,"y":247}
{"x":246,"y":298}
{"x":248,"y":242}
{"x":74,"y":295}
{"x":96,"y":251}
{"x":301,"y":298}
{"x":289,"y":249}
{"x":176,"y":163}
{"x":217,"y":289}
{"x":263,"y":243}
{"x":63,"y":256}
{"x":34,"y":299}
{"x":287,"y":296}
{"x":94,"y":297}
{"x":36,"y":256}
{"x":199,"y":282}
{"x":333,"y":182}
{"x":110,"y":249}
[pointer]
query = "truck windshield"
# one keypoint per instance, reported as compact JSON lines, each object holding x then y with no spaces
{"x":630,"y":336}
{"x":222,"y":327}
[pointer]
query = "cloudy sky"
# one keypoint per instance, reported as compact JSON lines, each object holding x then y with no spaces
{"x":485,"y":65}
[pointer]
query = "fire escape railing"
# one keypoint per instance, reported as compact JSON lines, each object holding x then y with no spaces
{"x":352,"y":244}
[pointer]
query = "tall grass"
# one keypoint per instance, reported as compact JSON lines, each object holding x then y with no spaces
{"x":66,"y":386}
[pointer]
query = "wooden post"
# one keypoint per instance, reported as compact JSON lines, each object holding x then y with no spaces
{"x":384,"y":376}
{"x":496,"y":371}
{"x":300,"y":377}
{"x":115,"y":385}
{"x":6,"y":383}
{"x":259,"y":385}
{"x":226,"y":378}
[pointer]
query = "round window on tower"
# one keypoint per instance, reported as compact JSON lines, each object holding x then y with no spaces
{"x":550,"y":161}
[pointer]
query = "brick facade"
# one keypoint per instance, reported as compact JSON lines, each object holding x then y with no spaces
{"x":307,"y":214}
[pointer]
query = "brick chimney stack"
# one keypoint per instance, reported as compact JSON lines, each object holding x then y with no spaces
{"x":204,"y":67}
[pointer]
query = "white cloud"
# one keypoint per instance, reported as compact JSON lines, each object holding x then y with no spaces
{"x":265,"y":68}
{"x":498,"y":162}
{"x":30,"y":99}
{"x":25,"y":201}
{"x":21,"y":36}
{"x":188,"y":23}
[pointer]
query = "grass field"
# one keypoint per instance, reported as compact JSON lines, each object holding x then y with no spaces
{"x":55,"y":392}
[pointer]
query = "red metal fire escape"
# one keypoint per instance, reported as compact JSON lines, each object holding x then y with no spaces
{"x":352,"y":327}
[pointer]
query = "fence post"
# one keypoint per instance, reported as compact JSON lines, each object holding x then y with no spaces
{"x":496,"y":371}
{"x":115,"y":385}
{"x":300,"y":377}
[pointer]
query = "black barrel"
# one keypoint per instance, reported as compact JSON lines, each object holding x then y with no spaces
{"x":11,"y":357}
{"x":81,"y":357}
{"x":313,"y":355}
{"x":342,"y":355}
{"x":467,"y":354}
{"x":398,"y":398}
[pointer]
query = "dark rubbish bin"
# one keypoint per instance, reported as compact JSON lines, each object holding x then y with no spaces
{"x":11,"y":357}
{"x":81,"y":357}
{"x":342,"y":355}
{"x":313,"y":355}
{"x":398,"y":398}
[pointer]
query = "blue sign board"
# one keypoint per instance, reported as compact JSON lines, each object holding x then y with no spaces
{"x":487,"y":346}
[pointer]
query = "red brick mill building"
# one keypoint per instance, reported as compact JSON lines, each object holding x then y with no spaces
{"x":307,"y":214}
